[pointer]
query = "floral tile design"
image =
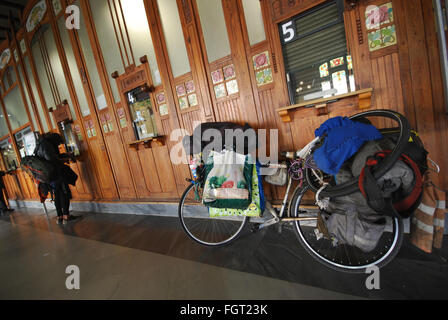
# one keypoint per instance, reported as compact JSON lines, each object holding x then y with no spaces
{"x":337,"y":62}
{"x":193,"y":100}
{"x":232,"y":87}
{"x":264,"y":77}
{"x":180,"y":89}
{"x":377,"y":16}
{"x":261,"y":60}
{"x":220,"y":91}
{"x":229,"y":72}
{"x":382,"y":38}
{"x":190,"y":87}
{"x":183,"y":103}
{"x":323,"y":69}
{"x":163,"y":110}
{"x":160,"y":97}
{"x":217,"y":76}
{"x":349,"y":62}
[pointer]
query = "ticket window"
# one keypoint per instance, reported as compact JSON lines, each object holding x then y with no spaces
{"x":62,"y":116}
{"x":8,"y":154}
{"x":69,"y":137}
{"x":26,"y":142}
{"x":142,"y":114}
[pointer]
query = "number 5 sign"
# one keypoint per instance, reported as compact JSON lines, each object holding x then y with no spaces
{"x":288,"y":31}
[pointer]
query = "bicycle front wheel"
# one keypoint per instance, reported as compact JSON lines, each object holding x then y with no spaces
{"x":342,"y":257}
{"x":200,"y":227}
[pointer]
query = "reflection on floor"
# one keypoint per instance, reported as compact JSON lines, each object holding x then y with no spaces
{"x":124,"y":256}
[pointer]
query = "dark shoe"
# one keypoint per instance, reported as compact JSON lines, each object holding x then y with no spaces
{"x":70,"y":218}
{"x":59,"y":220}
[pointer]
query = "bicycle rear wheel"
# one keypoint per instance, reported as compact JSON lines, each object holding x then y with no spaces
{"x":200,"y":227}
{"x":342,"y":257}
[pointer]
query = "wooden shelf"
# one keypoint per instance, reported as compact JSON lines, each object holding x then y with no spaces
{"x":320,"y":105}
{"x":159,"y":140}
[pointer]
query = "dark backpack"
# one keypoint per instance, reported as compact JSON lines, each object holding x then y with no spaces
{"x":40,"y":169}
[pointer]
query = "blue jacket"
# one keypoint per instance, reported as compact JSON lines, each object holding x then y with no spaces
{"x":344,"y":138}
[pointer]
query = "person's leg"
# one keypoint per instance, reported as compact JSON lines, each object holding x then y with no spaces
{"x":66,"y":202}
{"x":58,"y":196}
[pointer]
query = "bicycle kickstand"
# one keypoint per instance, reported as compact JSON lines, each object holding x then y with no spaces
{"x":269,"y":222}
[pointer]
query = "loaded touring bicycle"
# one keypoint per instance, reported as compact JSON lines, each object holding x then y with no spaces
{"x":346,"y":221}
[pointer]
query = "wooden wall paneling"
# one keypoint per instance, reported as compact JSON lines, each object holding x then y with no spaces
{"x":279,"y":92}
{"x":173,"y":121}
{"x":114,"y":143}
{"x":23,"y":185}
{"x":404,"y":60}
{"x":357,"y":42}
{"x":283,"y":9}
{"x":441,"y":118}
{"x":197,"y":62}
{"x":420,"y":75}
{"x":235,"y":31}
{"x":138,"y":168}
{"x":82,"y":190}
{"x":150,"y":174}
{"x":105,"y":177}
{"x":167,"y":180}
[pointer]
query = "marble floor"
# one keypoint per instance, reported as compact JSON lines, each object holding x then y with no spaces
{"x":124,"y":256}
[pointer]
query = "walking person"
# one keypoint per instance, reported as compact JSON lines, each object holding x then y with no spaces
{"x":48,"y":149}
{"x":3,"y":203}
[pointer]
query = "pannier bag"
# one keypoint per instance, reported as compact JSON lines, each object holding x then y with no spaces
{"x":359,"y":218}
{"x":228,"y":181}
{"x":257,"y":205}
{"x":40,"y":169}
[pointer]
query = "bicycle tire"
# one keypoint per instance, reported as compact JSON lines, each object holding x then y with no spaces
{"x":381,"y":262}
{"x":205,"y":230}
{"x":385,"y":165}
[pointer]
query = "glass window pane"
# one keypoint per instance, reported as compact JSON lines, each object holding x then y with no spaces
{"x":26,"y":142}
{"x":28,"y":101}
{"x":137,"y":23}
{"x":174,"y":37}
{"x":108,"y":41}
{"x":214,"y":29}
{"x":142,"y":114}
{"x":16,"y":110}
{"x":71,"y":60}
{"x":254,"y":21}
{"x":3,"y":126}
{"x":58,"y":71}
{"x":100,"y":99}
{"x":35,"y":94}
{"x":9,"y":77}
{"x":36,"y":51}
{"x":9,"y":156}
